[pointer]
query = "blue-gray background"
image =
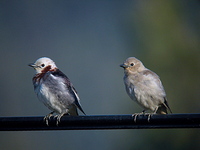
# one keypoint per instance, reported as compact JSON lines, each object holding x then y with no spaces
{"x":88,"y":40}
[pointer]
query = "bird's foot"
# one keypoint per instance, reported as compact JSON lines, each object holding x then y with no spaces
{"x":149,"y":116}
{"x":137,"y":114}
{"x":47,"y":117}
{"x":58,"y":117}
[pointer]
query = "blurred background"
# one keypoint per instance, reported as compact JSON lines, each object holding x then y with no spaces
{"x":88,"y":40}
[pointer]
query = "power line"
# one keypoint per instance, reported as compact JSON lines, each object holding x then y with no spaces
{"x":99,"y":122}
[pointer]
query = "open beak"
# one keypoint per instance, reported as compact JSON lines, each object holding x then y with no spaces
{"x":124,"y":66}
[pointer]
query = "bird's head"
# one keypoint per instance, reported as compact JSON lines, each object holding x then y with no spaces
{"x":132,"y":64}
{"x":43,"y":65}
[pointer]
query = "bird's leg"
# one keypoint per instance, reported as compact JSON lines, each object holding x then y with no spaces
{"x":136,"y":114}
{"x":47,"y":117}
{"x":155,"y":110}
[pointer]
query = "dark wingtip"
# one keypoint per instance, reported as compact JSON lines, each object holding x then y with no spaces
{"x":166,"y":105}
{"x":79,"y":107}
{"x":81,"y":110}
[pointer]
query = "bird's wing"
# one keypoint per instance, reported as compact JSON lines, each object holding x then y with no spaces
{"x":77,"y":100}
{"x":152,"y":82}
{"x":166,"y":104}
{"x":70,"y":88}
{"x":159,"y":83}
{"x":151,"y":76}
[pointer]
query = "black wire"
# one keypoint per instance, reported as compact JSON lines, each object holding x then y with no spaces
{"x":100,"y":122}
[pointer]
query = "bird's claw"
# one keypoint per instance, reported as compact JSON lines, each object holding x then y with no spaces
{"x":47,"y":117}
{"x":142,"y":113}
{"x":57,"y":119}
{"x":149,"y":116}
{"x":137,"y":114}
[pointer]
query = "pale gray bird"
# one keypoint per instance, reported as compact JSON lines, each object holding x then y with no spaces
{"x":144,"y":87}
{"x":54,"y":89}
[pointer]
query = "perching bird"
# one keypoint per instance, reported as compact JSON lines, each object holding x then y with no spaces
{"x":54,"y":89}
{"x":144,"y":87}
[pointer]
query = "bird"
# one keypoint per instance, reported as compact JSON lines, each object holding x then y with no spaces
{"x":54,"y":90}
{"x":144,"y":87}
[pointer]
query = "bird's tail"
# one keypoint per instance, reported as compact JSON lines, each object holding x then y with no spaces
{"x":162,"y":110}
{"x":164,"y":107}
{"x":78,"y":105}
{"x":73,"y":111}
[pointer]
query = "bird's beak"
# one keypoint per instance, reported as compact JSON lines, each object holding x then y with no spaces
{"x":32,"y":65}
{"x":124,"y":66}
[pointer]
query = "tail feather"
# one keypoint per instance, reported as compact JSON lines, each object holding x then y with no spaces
{"x":73,"y":111}
{"x":164,"y":107}
{"x":162,"y":110}
{"x":79,"y":107}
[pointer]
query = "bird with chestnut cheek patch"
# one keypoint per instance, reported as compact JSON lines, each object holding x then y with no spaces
{"x":54,"y":89}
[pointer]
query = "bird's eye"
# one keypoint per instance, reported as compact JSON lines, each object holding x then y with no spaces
{"x":42,"y":65}
{"x":132,"y":64}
